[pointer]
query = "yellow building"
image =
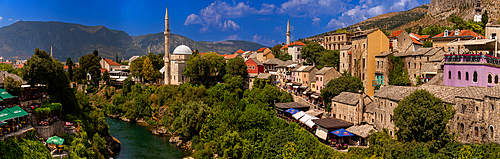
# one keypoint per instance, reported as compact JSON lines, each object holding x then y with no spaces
{"x":365,"y":46}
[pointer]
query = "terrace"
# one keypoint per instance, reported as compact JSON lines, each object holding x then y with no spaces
{"x":471,"y":59}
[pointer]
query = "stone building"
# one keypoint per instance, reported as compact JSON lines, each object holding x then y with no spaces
{"x":381,"y":70}
{"x":441,"y":40}
{"x":323,"y":76}
{"x":492,"y":30}
{"x":263,"y":53}
{"x":414,"y":62}
{"x":109,"y":64}
{"x":178,"y":62}
{"x":345,"y":56}
{"x":386,"y":100}
{"x":337,"y":41}
{"x":365,"y":46}
{"x":350,"y":106}
{"x":477,"y":115}
{"x":284,"y":71}
{"x":270,"y":65}
{"x":304,"y":75}
{"x":294,"y":50}
{"x":401,"y":41}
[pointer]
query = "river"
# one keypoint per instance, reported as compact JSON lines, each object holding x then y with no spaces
{"x":138,"y":142}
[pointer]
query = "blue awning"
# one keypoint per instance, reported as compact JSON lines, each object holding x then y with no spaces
{"x":342,"y":132}
{"x":292,"y":111}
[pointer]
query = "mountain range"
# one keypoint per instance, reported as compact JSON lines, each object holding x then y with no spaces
{"x":74,"y":40}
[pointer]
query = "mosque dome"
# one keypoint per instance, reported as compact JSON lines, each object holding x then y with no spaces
{"x":183,"y":50}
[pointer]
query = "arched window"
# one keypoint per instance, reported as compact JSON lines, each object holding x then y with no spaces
{"x":461,"y":128}
{"x":496,"y":79}
{"x":474,"y":77}
{"x":491,"y":131}
{"x":449,"y":74}
{"x":459,"y":75}
{"x":492,"y":107}
{"x":464,"y":107}
{"x":381,"y":117}
{"x":476,"y":131}
{"x":490,"y":78}
{"x":466,"y":76}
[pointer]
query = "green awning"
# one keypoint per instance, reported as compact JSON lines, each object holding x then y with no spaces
{"x":4,"y":94}
{"x":55,"y":140}
{"x":6,"y":115}
{"x":17,"y":111}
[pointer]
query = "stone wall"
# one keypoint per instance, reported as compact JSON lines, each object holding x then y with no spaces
{"x":345,"y":112}
{"x":47,"y":131}
{"x":383,"y":113}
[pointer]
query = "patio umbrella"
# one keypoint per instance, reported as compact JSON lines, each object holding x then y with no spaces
{"x":342,"y":133}
{"x":55,"y":140}
{"x":292,"y":111}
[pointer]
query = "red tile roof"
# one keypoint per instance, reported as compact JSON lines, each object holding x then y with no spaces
{"x":261,"y":49}
{"x":422,"y":36}
{"x":111,"y":62}
{"x":284,"y":47}
{"x":231,"y":56}
{"x":451,"y":33}
{"x":297,"y":43}
{"x":265,"y":53}
{"x":240,"y":51}
{"x":416,"y":41}
{"x":103,"y":70}
{"x":396,"y":33}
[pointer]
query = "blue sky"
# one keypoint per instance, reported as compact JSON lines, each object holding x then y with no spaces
{"x":207,"y":20}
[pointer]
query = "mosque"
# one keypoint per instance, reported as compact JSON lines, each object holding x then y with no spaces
{"x":175,"y":63}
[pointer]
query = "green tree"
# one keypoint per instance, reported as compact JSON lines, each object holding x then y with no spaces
{"x":484,"y":18}
{"x":312,"y":52}
{"x":6,"y":67}
{"x":398,"y":75}
{"x":237,"y":67}
{"x":90,"y":64}
{"x":105,"y":77}
{"x":276,"y":48}
{"x":136,"y":67}
{"x":95,"y":53}
{"x":148,"y":71}
{"x":12,"y":86}
{"x":211,"y":67}
{"x":329,"y":58}
{"x":157,"y":60}
{"x":422,"y":117}
{"x":408,"y":30}
{"x":38,"y":69}
{"x":191,"y":118}
{"x":340,"y":31}
{"x":70,"y":65}
{"x":427,"y":44}
{"x":345,"y":83}
{"x":99,"y":146}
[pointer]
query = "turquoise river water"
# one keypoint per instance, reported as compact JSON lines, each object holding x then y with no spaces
{"x":138,"y":142}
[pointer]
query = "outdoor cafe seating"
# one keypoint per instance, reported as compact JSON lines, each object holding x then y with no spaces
{"x":12,"y":119}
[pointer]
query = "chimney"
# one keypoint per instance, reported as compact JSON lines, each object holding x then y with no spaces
{"x":360,"y":107}
{"x":373,"y":27}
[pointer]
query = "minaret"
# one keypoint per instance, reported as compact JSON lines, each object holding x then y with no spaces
{"x":288,"y":32}
{"x":51,"y":52}
{"x":167,"y":49}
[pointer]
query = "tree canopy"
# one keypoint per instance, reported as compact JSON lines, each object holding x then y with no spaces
{"x":345,"y":83}
{"x":12,"y":86}
{"x":312,"y":52}
{"x":206,"y":69}
{"x":398,"y":75}
{"x":237,"y":67}
{"x":422,"y":117}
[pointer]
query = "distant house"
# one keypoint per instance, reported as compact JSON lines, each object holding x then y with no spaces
{"x":294,"y":50}
{"x":304,"y":75}
{"x":109,"y":64}
{"x":232,"y":56}
{"x":323,"y":76}
{"x":254,"y":66}
{"x":401,"y":41}
{"x":270,"y":65}
{"x":441,"y":40}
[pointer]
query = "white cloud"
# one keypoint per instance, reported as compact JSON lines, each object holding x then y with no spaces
{"x":11,"y":19}
{"x":264,"y":40}
{"x":375,"y":11}
{"x":216,"y":14}
{"x":278,"y":29}
{"x":403,"y":5}
{"x":316,"y":21}
{"x":1,"y":18}
{"x":232,"y":37}
{"x":334,"y":23}
{"x":312,"y":8}
{"x":193,"y":19}
{"x":230,"y":25}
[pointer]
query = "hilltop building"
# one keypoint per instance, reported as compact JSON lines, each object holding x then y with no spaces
{"x":337,"y":41}
{"x":478,"y":12}
{"x":441,"y":40}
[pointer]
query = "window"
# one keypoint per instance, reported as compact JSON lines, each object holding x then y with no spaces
{"x":381,"y":117}
{"x":391,"y":118}
{"x":343,"y":54}
{"x":446,"y":33}
{"x":474,"y":77}
{"x":490,"y":78}
{"x":382,"y":64}
{"x":492,"y":107}
{"x":316,"y":78}
{"x":449,"y":74}
{"x":464,"y":107}
{"x":461,"y":128}
{"x":476,"y":131}
{"x":304,"y":75}
{"x":491,"y":131}
{"x":466,"y":76}
{"x":378,"y":64}
{"x":253,"y":67}
{"x":496,"y":79}
{"x":459,"y":75}
{"x":415,"y":65}
{"x":320,"y":78}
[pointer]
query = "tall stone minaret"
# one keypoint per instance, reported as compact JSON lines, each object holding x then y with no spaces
{"x":167,"y":49}
{"x":51,"y":52}
{"x":288,"y":32}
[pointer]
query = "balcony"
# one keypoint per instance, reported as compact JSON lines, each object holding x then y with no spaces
{"x":452,"y":58}
{"x":377,"y":84}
